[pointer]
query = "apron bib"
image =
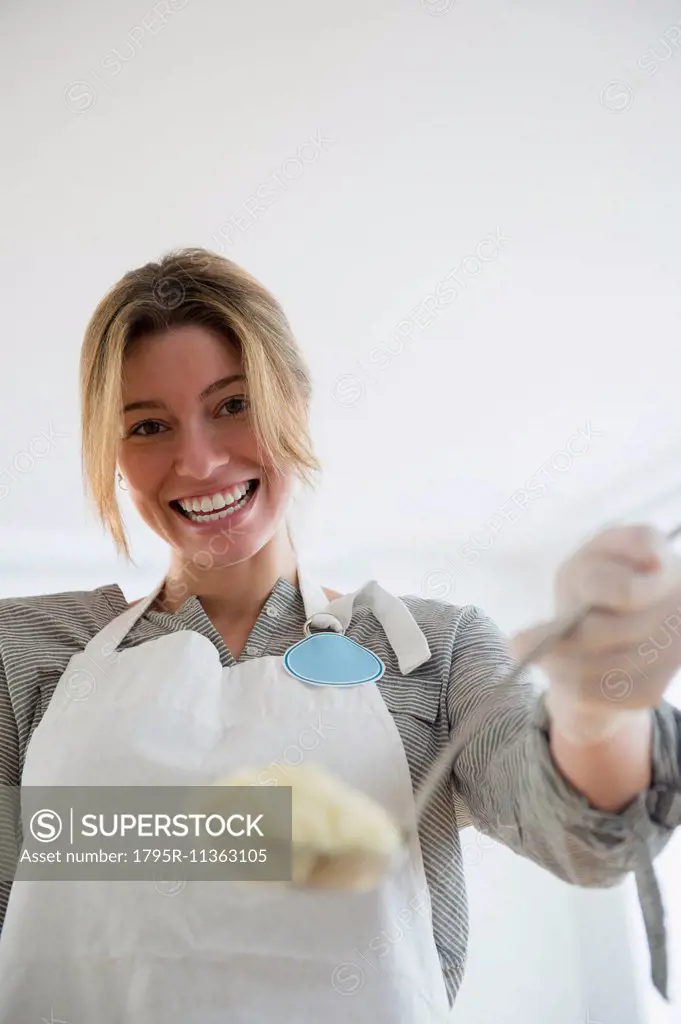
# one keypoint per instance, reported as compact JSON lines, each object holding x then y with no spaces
{"x":167,"y":713}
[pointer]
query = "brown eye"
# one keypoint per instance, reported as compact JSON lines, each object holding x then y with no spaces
{"x":147,"y":428}
{"x":234,"y":406}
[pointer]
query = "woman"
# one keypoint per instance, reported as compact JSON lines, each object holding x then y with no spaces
{"x":195,"y":397}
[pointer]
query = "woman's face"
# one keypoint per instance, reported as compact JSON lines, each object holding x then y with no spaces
{"x":188,"y":452}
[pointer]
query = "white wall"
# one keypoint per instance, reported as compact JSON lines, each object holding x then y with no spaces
{"x":126,"y":133}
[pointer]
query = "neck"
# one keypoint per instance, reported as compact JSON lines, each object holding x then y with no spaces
{"x":232,"y":592}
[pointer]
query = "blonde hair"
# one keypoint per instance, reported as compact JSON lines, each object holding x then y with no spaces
{"x":191,"y":286}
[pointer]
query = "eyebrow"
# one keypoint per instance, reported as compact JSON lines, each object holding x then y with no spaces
{"x":156,"y":403}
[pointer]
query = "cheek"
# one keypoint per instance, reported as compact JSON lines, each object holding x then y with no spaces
{"x":282,"y":488}
{"x":144,"y":471}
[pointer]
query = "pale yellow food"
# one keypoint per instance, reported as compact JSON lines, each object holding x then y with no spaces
{"x":342,"y":839}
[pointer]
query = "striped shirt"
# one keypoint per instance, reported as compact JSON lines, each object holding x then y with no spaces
{"x":505,"y":775}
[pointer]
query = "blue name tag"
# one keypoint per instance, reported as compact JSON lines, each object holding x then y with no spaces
{"x":331,"y":659}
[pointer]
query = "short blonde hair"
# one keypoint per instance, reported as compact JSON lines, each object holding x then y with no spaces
{"x":191,"y":286}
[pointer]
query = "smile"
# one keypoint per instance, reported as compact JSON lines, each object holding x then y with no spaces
{"x":207,"y":508}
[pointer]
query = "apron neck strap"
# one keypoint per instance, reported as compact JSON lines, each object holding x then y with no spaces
{"x":403,"y":632}
{"x":113,"y":633}
{"x":315,"y":600}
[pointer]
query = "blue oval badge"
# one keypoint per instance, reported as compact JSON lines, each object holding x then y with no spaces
{"x":331,"y":659}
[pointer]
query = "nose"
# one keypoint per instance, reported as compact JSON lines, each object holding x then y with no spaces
{"x":199,"y":453}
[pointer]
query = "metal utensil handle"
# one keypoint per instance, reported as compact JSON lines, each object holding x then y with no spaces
{"x":558,"y":630}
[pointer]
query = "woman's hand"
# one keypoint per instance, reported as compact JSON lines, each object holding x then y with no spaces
{"x":624,"y":654}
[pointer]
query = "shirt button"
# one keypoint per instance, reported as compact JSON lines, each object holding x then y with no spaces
{"x":251,"y":650}
{"x":271,"y":611}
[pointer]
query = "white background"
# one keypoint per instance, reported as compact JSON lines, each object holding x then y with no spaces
{"x":127,"y":132}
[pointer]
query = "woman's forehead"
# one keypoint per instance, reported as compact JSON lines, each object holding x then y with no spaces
{"x":186,"y":360}
{"x":183,"y":346}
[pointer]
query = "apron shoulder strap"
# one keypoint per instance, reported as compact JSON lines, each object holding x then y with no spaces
{"x":116,"y":630}
{"x":401,"y":628}
{"x":403,"y":632}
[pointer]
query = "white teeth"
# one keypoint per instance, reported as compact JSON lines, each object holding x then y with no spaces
{"x":234,"y":495}
{"x":215,"y":506}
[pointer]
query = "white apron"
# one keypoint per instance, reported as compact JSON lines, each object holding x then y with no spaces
{"x":167,"y":713}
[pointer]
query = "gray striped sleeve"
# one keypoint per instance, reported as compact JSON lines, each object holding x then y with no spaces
{"x":516,"y":794}
{"x":10,"y":776}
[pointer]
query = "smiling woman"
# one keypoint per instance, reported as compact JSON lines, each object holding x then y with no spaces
{"x":195,"y":392}
{"x":142,"y":353}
